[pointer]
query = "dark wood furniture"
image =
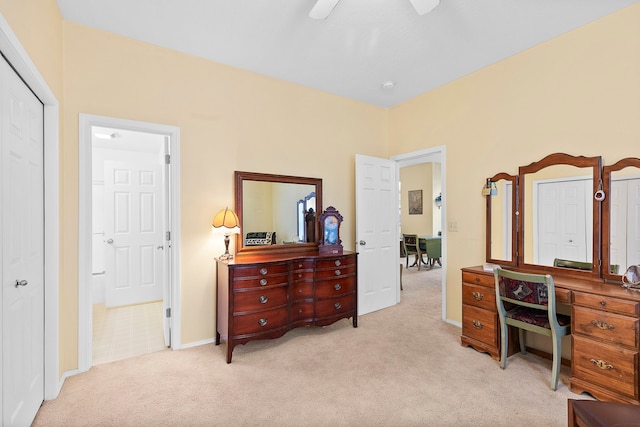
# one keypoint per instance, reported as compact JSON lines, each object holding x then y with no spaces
{"x":590,"y":413}
{"x":605,"y":325}
{"x":265,"y":295}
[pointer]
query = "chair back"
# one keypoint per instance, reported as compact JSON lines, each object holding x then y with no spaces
{"x":577,"y":265}
{"x":410,"y":243}
{"x":535,"y":291}
{"x":434,"y":247}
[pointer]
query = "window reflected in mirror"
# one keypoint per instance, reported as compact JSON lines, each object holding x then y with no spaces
{"x":501,"y":203}
{"x":278,"y":208}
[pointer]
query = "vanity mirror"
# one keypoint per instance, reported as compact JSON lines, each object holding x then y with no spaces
{"x":500,"y":225}
{"x":277,"y":213}
{"x":620,"y":217}
{"x":559,"y":219}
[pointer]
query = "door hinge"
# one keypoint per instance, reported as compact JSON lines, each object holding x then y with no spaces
{"x":168,"y":312}
{"x":168,"y":236}
{"x":167,"y":159}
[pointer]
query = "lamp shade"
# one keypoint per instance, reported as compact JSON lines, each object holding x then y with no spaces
{"x":227,"y":221}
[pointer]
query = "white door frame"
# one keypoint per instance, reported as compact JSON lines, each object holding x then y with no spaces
{"x":85,"y":309}
{"x":431,"y":155}
{"x":19,"y":59}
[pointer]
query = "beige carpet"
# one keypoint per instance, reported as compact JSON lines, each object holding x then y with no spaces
{"x":402,"y":366}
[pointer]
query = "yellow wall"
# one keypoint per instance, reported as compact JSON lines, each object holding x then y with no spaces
{"x":577,"y":93}
{"x":229,"y":119}
{"x":417,"y":177}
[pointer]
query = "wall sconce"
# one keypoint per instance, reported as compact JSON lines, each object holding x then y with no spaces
{"x":226,"y":221}
{"x":438,"y":201}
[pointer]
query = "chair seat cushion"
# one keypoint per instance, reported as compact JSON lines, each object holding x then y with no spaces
{"x":536,"y":317}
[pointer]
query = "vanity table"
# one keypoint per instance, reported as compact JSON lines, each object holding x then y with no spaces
{"x":605,"y":316}
{"x":270,"y":289}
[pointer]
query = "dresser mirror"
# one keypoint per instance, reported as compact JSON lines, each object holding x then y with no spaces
{"x":277,"y":212}
{"x":621,"y":217}
{"x":559,"y":219}
{"x":501,"y":226}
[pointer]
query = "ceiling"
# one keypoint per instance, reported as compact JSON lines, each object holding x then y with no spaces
{"x":362,"y":44}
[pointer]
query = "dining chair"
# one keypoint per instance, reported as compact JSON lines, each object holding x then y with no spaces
{"x":433,"y":248}
{"x":528,"y":302}
{"x":412,"y":247}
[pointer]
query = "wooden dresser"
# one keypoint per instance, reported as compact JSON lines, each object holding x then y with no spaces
{"x":264,"y":296}
{"x":605,"y":327}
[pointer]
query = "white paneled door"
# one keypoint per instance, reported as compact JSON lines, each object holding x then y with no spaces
{"x":377,"y":234}
{"x":22,"y":249}
{"x":134,"y":237}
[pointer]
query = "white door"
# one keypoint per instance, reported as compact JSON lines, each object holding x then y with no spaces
{"x":22,"y":253}
{"x":134,"y":235}
{"x":618,"y":224}
{"x":633,"y":223}
{"x":377,"y":233}
{"x":563,"y":220}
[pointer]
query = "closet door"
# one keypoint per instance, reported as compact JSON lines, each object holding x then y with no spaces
{"x":22,"y":249}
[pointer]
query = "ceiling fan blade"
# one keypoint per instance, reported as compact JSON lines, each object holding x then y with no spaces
{"x":322,"y":9}
{"x":424,"y":6}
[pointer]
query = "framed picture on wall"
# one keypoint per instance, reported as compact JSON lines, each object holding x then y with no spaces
{"x":415,"y":202}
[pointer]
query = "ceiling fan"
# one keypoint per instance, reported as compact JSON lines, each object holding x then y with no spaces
{"x":323,"y":8}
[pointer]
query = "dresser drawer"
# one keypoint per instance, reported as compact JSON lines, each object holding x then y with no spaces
{"x":613,"y":368}
{"x":606,"y":326}
{"x":258,"y":322}
{"x":334,"y":306}
{"x":621,"y":306}
{"x":334,"y":287}
{"x":260,"y":270}
{"x":259,"y":299}
{"x":480,"y":296}
{"x":302,"y":265}
{"x":261,"y":282}
{"x":301,"y":290}
{"x":479,"y":279}
{"x":335,"y":262}
{"x":344,"y":270}
{"x":302,"y":275}
{"x":301,"y":310}
{"x":480,"y":324}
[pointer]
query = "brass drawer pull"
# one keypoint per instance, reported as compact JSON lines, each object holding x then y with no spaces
{"x":338,"y":272}
{"x":263,"y":271}
{"x":603,"y":303}
{"x":601,"y":364}
{"x":337,"y":286}
{"x":337,"y":306}
{"x":299,"y":291}
{"x":299,"y":275}
{"x":338,"y":263}
{"x":477,"y":296}
{"x":263,"y":282}
{"x":477,"y":324}
{"x":602,"y":325}
{"x":262,"y":322}
{"x":263,"y":299}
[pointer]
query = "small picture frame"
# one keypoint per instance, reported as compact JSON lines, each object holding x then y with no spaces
{"x":415,"y":202}
{"x":330,"y":242}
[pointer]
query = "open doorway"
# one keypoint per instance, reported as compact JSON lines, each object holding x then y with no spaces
{"x":425,"y":170}
{"x":128,"y":259}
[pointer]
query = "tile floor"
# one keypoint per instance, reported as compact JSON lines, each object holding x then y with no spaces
{"x":123,"y":332}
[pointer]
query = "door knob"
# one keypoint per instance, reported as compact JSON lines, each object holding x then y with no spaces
{"x":362,"y":243}
{"x":21,"y":283}
{"x":110,"y":241}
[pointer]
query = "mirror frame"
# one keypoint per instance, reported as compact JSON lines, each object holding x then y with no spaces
{"x":563,"y":159}
{"x":606,"y":213}
{"x":240,"y":177}
{"x":514,"y":222}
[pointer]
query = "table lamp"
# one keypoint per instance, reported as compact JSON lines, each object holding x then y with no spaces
{"x":226,"y":222}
